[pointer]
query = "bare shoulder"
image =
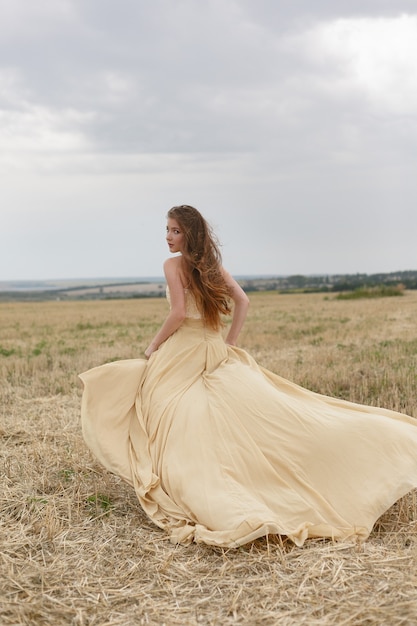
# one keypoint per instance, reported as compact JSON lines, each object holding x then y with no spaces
{"x":173,"y":270}
{"x":229,"y":280}
{"x":236,"y":291}
{"x":173,"y":264}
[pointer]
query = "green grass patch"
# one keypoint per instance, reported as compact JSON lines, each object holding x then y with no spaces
{"x":6,"y":352}
{"x":99,"y":503}
{"x":379,"y":291}
{"x":38,"y":349}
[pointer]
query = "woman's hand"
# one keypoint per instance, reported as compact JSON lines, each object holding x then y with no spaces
{"x":176,"y":315}
{"x":150,"y":350}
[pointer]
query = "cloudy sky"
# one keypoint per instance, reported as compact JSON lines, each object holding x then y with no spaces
{"x":291,"y":125}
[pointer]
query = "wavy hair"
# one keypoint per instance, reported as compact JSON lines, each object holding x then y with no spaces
{"x":201,"y":259}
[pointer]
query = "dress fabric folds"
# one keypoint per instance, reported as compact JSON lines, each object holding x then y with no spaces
{"x":222,"y":451}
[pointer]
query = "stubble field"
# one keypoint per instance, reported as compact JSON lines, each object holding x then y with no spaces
{"x":75,"y":547}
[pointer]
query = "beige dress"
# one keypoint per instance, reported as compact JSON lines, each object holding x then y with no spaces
{"x":222,"y":451}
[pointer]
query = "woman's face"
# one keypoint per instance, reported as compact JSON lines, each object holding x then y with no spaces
{"x":175,"y":236}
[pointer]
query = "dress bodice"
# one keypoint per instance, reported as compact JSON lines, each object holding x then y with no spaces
{"x":191,"y":309}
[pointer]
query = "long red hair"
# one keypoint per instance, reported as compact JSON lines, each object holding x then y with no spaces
{"x":201,"y":261}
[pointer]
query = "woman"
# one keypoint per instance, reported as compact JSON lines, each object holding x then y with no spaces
{"x":222,"y":451}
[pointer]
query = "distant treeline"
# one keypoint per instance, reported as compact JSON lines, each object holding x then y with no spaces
{"x":297,"y":283}
{"x":332,"y":283}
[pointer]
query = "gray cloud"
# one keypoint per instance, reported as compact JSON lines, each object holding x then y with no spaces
{"x":292,"y":125}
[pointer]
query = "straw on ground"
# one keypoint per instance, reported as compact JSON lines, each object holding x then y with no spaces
{"x":76,"y":547}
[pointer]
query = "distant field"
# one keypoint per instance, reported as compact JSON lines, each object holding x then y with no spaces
{"x":75,"y":546}
{"x":19,"y":291}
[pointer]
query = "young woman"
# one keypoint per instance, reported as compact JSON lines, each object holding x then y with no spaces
{"x":222,"y":451}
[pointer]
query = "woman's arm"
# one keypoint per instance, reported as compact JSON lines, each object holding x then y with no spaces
{"x":241,"y":304}
{"x":177,"y":313}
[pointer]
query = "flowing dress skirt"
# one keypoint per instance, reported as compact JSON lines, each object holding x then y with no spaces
{"x":222,"y":451}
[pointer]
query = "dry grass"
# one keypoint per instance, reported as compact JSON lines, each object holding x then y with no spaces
{"x":76,"y":548}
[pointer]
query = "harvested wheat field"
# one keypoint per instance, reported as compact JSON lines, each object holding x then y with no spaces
{"x":77,"y":549}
